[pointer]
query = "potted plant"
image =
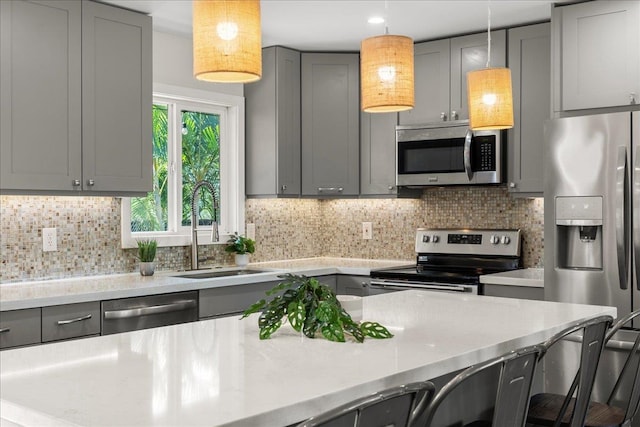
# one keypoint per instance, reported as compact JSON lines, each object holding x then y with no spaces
{"x":146,"y":256}
{"x":241,"y":246}
{"x":310,"y":307}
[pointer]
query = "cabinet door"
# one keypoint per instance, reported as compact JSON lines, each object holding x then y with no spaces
{"x":432,"y":65}
{"x":70,"y":321}
{"x":600,"y":54}
{"x":20,"y":327}
{"x":40,"y":81}
{"x":469,"y":53}
{"x":352,"y":285}
{"x":229,"y":300}
{"x":378,"y":153}
{"x":116,"y":99}
{"x":529,"y":61}
{"x":330,"y":124}
{"x":273,"y":126}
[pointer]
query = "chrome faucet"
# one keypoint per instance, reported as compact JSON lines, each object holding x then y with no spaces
{"x":194,"y":220}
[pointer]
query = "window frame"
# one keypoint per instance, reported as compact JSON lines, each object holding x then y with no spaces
{"x":232,"y":181}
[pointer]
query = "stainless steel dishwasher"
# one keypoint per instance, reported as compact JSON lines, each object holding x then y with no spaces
{"x":130,"y":314}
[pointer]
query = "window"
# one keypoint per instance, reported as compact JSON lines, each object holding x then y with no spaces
{"x":197,"y":136}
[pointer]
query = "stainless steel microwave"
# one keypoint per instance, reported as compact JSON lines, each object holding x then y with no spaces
{"x":448,"y":154}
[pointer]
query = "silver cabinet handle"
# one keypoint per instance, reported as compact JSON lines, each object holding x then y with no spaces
{"x":621,"y":177}
{"x":145,"y":311}
{"x":454,"y":115}
{"x":443,"y":116}
{"x":76,"y":183}
{"x":330,"y":189}
{"x":284,"y":188}
{"x":632,"y":98}
{"x":77,"y":319}
{"x":390,"y":188}
{"x":636,"y":220}
{"x":90,"y":182}
{"x":467,"y":154}
{"x":512,"y":185}
{"x":4,"y":330}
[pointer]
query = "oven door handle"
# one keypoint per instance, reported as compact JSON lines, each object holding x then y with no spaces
{"x":467,"y":154}
{"x":420,"y":285}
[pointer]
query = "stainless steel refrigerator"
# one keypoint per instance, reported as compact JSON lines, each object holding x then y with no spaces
{"x":592,"y":228}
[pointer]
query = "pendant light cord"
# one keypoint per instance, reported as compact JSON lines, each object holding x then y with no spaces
{"x":488,"y":33}
{"x":386,"y":17}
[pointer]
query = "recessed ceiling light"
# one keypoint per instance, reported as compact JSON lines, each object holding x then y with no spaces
{"x":376,"y":20}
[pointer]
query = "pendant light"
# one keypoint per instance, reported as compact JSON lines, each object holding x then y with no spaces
{"x":386,"y":73}
{"x":489,"y":94}
{"x":227,"y":46}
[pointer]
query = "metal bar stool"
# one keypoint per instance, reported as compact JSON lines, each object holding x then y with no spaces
{"x":516,"y":373}
{"x":572,"y":411}
{"x":546,"y":408}
{"x":394,"y":407}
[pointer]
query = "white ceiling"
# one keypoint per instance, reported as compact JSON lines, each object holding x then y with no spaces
{"x":340,"y":25}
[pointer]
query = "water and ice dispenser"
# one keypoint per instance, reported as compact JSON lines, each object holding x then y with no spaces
{"x":579,"y":232}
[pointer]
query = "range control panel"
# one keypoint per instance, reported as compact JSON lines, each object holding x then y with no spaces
{"x":467,"y":241}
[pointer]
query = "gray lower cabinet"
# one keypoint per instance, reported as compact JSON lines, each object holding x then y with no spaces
{"x":521,"y":292}
{"x":62,"y":322}
{"x":330,"y":124}
{"x":20,"y":327}
{"x":530,"y":64}
{"x":229,"y":300}
{"x":273,"y":126}
{"x":352,"y":285}
{"x":596,"y":54}
{"x":82,"y":72}
{"x":441,"y":68}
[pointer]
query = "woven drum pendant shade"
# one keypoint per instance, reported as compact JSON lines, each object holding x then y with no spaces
{"x":227,"y":46}
{"x":386,"y":74}
{"x":490,"y":99}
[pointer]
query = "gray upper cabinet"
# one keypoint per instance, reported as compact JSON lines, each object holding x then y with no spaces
{"x":273,"y":126}
{"x":76,"y":99}
{"x":378,"y":154}
{"x":330,"y":124}
{"x":441,"y":68}
{"x":597,"y":55}
{"x":530,"y":64}
{"x":432,"y":64}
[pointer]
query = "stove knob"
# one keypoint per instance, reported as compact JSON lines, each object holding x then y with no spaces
{"x":425,"y":239}
{"x":435,"y":239}
{"x":506,"y":240}
{"x":494,"y":239}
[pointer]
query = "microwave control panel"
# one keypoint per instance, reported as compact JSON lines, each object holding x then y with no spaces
{"x":484,"y":153}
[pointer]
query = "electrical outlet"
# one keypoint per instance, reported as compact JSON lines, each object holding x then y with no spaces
{"x":367,"y":230}
{"x":251,"y":231}
{"x":49,"y":240}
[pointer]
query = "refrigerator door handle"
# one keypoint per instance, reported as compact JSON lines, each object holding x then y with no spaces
{"x":621,"y":176}
{"x":636,"y":220}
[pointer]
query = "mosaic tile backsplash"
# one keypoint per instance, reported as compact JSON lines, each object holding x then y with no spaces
{"x":88,"y":230}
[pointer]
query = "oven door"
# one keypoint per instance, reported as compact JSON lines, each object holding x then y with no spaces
{"x":380,"y":286}
{"x":449,"y":155}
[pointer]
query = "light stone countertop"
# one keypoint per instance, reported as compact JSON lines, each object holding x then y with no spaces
{"x":219,"y":373}
{"x":526,"y":277}
{"x":43,"y":293}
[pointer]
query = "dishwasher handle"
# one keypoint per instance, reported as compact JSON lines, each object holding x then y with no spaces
{"x":145,"y":311}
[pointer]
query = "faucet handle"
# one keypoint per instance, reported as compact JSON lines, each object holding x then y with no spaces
{"x":215,"y":236}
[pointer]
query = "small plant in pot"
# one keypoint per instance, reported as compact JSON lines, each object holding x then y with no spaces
{"x":241,"y":246}
{"x":146,"y":256}
{"x":310,"y":307}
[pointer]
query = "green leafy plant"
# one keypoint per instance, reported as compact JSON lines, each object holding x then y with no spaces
{"x":240,"y":245}
{"x":310,"y":306}
{"x":147,"y":250}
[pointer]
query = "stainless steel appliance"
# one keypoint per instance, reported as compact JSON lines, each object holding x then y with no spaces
{"x":448,"y":154}
{"x":131,"y":314}
{"x":452,"y":261}
{"x":592,"y":220}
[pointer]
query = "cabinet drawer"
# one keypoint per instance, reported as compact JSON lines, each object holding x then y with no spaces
{"x":19,"y":327}
{"x":232,"y":299}
{"x":70,"y":321}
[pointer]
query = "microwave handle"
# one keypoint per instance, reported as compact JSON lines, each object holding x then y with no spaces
{"x":467,"y":154}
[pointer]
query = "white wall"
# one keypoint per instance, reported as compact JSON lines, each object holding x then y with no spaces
{"x":173,"y":65}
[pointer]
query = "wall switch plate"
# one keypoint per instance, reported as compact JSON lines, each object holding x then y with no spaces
{"x":49,"y":240}
{"x":251,"y":231}
{"x":367,"y":230}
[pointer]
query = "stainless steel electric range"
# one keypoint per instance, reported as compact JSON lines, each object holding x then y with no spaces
{"x":452,"y":261}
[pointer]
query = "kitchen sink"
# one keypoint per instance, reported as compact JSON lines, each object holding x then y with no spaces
{"x":214,"y":274}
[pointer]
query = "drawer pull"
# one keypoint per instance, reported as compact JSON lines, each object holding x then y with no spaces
{"x":3,"y":330}
{"x":77,"y":319}
{"x":144,"y":311}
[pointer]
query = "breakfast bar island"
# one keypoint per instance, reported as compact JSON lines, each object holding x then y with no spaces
{"x":219,"y":373}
